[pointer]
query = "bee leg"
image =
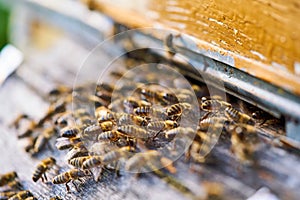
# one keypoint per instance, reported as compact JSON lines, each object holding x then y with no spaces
{"x":117,"y":170}
{"x":156,"y":134}
{"x":187,"y":155}
{"x":49,"y":146}
{"x":42,"y":179}
{"x":45,"y":177}
{"x":67,"y":187}
{"x":75,"y":186}
{"x":264,"y":121}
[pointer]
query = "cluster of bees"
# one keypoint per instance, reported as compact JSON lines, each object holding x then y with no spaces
{"x":144,"y":131}
{"x":13,"y":189}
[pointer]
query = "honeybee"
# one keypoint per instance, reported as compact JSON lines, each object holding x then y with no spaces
{"x":59,"y":90}
{"x":197,"y":148}
{"x":104,"y":95}
{"x":132,"y":119}
{"x":213,"y":190}
{"x":110,"y":116}
{"x":184,"y":98}
{"x":178,"y":109}
{"x":134,"y":131}
{"x":105,"y":86}
{"x":151,"y":159}
{"x":149,"y":111}
{"x":77,"y":151}
{"x":8,"y":177}
{"x":21,"y":195}
{"x":169,"y":98}
{"x":70,"y":176}
{"x":108,"y":158}
{"x":31,"y":127}
{"x":43,"y":138}
{"x":159,"y":126}
{"x":238,"y":116}
{"x":212,"y":122}
{"x":117,"y":138}
{"x":92,"y":131}
{"x":84,"y":121}
{"x":149,"y":95}
{"x":213,"y":97}
{"x":248,"y":129}
{"x":69,"y":131}
{"x":101,"y":111}
{"x":78,"y":162}
{"x":140,"y":160}
{"x":109,"y":135}
{"x":53,"y":109}
{"x":93,"y":161}
{"x":99,"y":102}
{"x":130,"y":103}
{"x":7,"y":194}
{"x":179,"y":131}
{"x":15,"y":185}
{"x":62,"y":119}
{"x":244,"y":142}
{"x":42,"y":168}
{"x":15,"y":123}
{"x":116,"y":154}
{"x":67,"y":143}
{"x":30,"y":145}
{"x":214,"y":105}
{"x":106,"y":126}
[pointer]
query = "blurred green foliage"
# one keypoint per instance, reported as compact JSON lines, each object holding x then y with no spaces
{"x":4,"y":17}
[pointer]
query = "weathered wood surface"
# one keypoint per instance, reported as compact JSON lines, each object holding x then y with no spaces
{"x":276,"y":169}
{"x":258,"y":37}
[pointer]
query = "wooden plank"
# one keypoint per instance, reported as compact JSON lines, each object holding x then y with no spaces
{"x":260,"y":37}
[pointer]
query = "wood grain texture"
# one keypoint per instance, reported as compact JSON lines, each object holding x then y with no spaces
{"x":262,"y":37}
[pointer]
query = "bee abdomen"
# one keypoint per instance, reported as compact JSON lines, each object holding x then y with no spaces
{"x":133,"y":130}
{"x":77,"y":162}
{"x":38,"y":172}
{"x":143,"y":111}
{"x":108,"y":135}
{"x":61,"y":178}
{"x":69,"y":132}
{"x":92,"y":162}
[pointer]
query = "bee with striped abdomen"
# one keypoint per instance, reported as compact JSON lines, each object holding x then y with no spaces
{"x":70,"y":176}
{"x":127,"y":119}
{"x":21,"y":195}
{"x":214,"y":105}
{"x":69,"y":131}
{"x":134,"y":131}
{"x":78,"y":162}
{"x":42,"y":168}
{"x":238,"y":116}
{"x":43,"y":139}
{"x":162,"y":125}
{"x":7,"y":194}
{"x":149,"y":111}
{"x":244,"y":142}
{"x":117,"y":154}
{"x":8,"y":177}
{"x":106,"y":126}
{"x":16,"y":122}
